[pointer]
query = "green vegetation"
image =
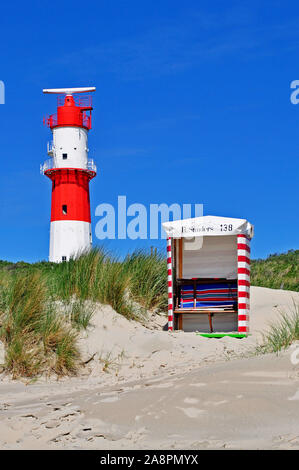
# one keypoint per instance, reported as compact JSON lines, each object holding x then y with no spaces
{"x":147,"y":276}
{"x":278,"y":271}
{"x":111,"y":362}
{"x":44,"y":305}
{"x":282,"y":334}
{"x":36,"y":337}
{"x":99,"y":276}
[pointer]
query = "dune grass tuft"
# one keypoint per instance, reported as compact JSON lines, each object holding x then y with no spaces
{"x":80,"y":313}
{"x":23,"y":356}
{"x":91,"y":276}
{"x":278,"y":271}
{"x":148,"y":278}
{"x":98,"y":276}
{"x":37,"y":338}
{"x":281,"y":334}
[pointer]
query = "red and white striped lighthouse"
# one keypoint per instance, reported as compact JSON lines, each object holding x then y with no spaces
{"x":70,"y":171}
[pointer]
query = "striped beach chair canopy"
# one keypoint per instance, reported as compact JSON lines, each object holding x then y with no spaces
{"x":208,"y":225}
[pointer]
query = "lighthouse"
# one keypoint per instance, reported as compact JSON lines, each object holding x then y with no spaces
{"x":70,"y":171}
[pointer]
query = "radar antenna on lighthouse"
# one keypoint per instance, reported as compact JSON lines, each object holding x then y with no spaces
{"x":70,"y":171}
{"x":69,"y":91}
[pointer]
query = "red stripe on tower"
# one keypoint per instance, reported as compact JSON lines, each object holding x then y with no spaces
{"x":70,"y":194}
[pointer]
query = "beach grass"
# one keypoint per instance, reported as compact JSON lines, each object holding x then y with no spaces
{"x":44,"y":305}
{"x":282,"y":333}
{"x":99,"y":276}
{"x":278,"y":271}
{"x":37,"y":338}
{"x":147,"y":278}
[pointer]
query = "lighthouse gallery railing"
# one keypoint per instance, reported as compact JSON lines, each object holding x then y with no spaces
{"x":50,"y":165}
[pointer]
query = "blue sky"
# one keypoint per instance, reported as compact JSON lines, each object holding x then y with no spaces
{"x":192,"y":106}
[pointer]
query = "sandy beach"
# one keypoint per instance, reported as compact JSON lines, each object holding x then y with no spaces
{"x":143,"y":387}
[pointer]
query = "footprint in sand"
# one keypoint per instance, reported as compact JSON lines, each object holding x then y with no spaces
{"x":162,"y":385}
{"x":295,"y":396}
{"x":52,"y":424}
{"x":191,"y":401}
{"x":265,"y":373}
{"x":215,"y":403}
{"x":191,"y":412}
{"x":109,"y":399}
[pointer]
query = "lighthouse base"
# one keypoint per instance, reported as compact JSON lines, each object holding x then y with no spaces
{"x":68,"y":238}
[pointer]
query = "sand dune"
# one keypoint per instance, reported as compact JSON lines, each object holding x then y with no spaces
{"x":145,"y":388}
{"x":135,"y":351}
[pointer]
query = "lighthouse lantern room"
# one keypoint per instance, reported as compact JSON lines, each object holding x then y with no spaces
{"x":70,"y":171}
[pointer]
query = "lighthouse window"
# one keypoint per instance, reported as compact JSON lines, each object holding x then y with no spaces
{"x":63,"y":258}
{"x":64,"y":156}
{"x":64,"y":209}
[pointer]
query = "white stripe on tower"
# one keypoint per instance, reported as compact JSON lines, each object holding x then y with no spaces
{"x":169,"y":283}
{"x":243,"y":253}
{"x":64,"y":243}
